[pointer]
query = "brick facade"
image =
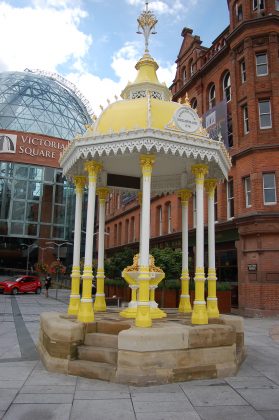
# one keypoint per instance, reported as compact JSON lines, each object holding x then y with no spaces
{"x":252,"y":39}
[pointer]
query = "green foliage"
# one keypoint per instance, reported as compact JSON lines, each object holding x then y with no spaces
{"x":170,"y":261}
{"x":223,"y":286}
{"x":116,"y":264}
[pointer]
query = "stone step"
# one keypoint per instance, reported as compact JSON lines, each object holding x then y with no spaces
{"x":101,"y":340}
{"x":112,"y":327}
{"x":92,"y":370}
{"x":98,"y":354}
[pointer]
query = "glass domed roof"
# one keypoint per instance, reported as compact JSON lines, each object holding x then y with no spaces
{"x":40,"y":104}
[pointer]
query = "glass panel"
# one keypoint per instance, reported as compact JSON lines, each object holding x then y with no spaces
{"x":265,"y":120}
{"x":58,"y":232}
{"x":21,"y":172}
{"x":269,"y":181}
{"x":18,"y":212}
{"x":20,"y":189}
{"x":261,"y":59}
{"x":264,"y":107}
{"x":59,"y":215}
{"x":34,"y":191}
{"x":16,"y":229}
{"x":60,"y":194}
{"x":262,"y":70}
{"x":269,"y":196}
{"x":3,"y":228}
{"x":31,"y":229}
{"x":32,"y":212}
{"x":36,"y":174}
{"x":2,"y":169}
{"x":49,"y":175}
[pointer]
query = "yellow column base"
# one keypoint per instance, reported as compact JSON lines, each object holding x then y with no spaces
{"x":75,"y":296}
{"x":129,"y":312}
{"x":100,"y":303}
{"x":143,"y":318}
{"x":199,"y":314}
{"x":212,"y":308}
{"x":157,"y":313}
{"x":74,"y":305}
{"x":85,"y":312}
{"x":184,"y":304}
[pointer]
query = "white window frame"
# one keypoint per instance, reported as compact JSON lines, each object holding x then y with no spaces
{"x":245,"y":119}
{"x":160,"y":221}
{"x":169,"y":218}
{"x":212,"y":97}
{"x":227,"y":87}
{"x":261,"y":64}
{"x":258,"y":5}
{"x":243,"y":71}
{"x":269,"y":203}
{"x":229,"y":200}
{"x":184,"y":74}
{"x":266,"y":127}
{"x":191,"y":68}
{"x":239,"y":15}
{"x":247,"y":190}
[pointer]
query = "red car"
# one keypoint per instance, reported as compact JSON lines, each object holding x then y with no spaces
{"x":22,"y":284}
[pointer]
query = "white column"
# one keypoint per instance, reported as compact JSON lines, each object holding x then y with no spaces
{"x":212,"y":304}
{"x":199,"y":314}
{"x":79,"y":182}
{"x":184,"y":303}
{"x":143,"y":318}
{"x":100,"y":303}
{"x":85,"y":313}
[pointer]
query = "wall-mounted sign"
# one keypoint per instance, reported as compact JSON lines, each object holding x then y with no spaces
{"x":31,"y":148}
{"x":187,"y":119}
{"x":252,"y":267}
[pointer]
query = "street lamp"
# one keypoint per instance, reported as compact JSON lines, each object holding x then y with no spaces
{"x":43,"y":250}
{"x":28,"y":251}
{"x":58,"y":259}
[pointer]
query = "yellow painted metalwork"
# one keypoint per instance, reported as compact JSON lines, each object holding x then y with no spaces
{"x":75,"y":296}
{"x":199,"y":314}
{"x":85,"y":312}
{"x":209,"y":186}
{"x":133,"y":113}
{"x":100,"y":301}
{"x":212,"y":302}
{"x":143,"y":318}
{"x":184,"y":303}
{"x":199,"y":170}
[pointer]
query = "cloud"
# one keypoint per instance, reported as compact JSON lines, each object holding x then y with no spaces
{"x":41,"y":36}
{"x":98,"y":90}
{"x":174,"y":8}
{"x":47,"y":36}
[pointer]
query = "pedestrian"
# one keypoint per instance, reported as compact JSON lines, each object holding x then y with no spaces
{"x":47,"y":283}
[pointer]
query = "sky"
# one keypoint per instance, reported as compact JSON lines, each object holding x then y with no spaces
{"x":94,"y":44}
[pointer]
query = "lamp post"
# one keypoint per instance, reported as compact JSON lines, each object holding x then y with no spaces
{"x":28,"y":251}
{"x":58,"y":259}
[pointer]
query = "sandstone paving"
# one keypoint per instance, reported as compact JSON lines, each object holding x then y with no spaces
{"x":29,"y":392}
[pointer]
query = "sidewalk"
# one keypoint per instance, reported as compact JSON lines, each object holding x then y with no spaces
{"x":29,"y":392}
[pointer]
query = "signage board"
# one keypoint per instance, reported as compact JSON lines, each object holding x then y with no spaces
{"x":187,"y":119}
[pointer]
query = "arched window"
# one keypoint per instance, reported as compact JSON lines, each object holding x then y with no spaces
{"x":159,"y":221}
{"x":194,"y":103}
{"x":212,"y":96}
{"x":169,"y":225}
{"x":191,"y":67}
{"x":184,"y":74}
{"x":227,"y":86}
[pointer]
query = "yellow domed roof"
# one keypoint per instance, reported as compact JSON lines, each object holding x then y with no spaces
{"x":135,"y":114}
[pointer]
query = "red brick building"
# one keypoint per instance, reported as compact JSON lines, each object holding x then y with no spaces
{"x":235,"y":86}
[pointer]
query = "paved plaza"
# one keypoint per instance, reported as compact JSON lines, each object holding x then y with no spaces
{"x":29,"y":392}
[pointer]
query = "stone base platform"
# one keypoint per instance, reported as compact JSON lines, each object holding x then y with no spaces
{"x":113,"y":349}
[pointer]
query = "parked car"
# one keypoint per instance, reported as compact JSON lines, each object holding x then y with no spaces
{"x":21,"y":284}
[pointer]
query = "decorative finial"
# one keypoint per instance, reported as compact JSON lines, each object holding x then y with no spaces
{"x":187,"y":101}
{"x":147,"y":22}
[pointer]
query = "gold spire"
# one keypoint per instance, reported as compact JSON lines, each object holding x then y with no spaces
{"x":147,"y":22}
